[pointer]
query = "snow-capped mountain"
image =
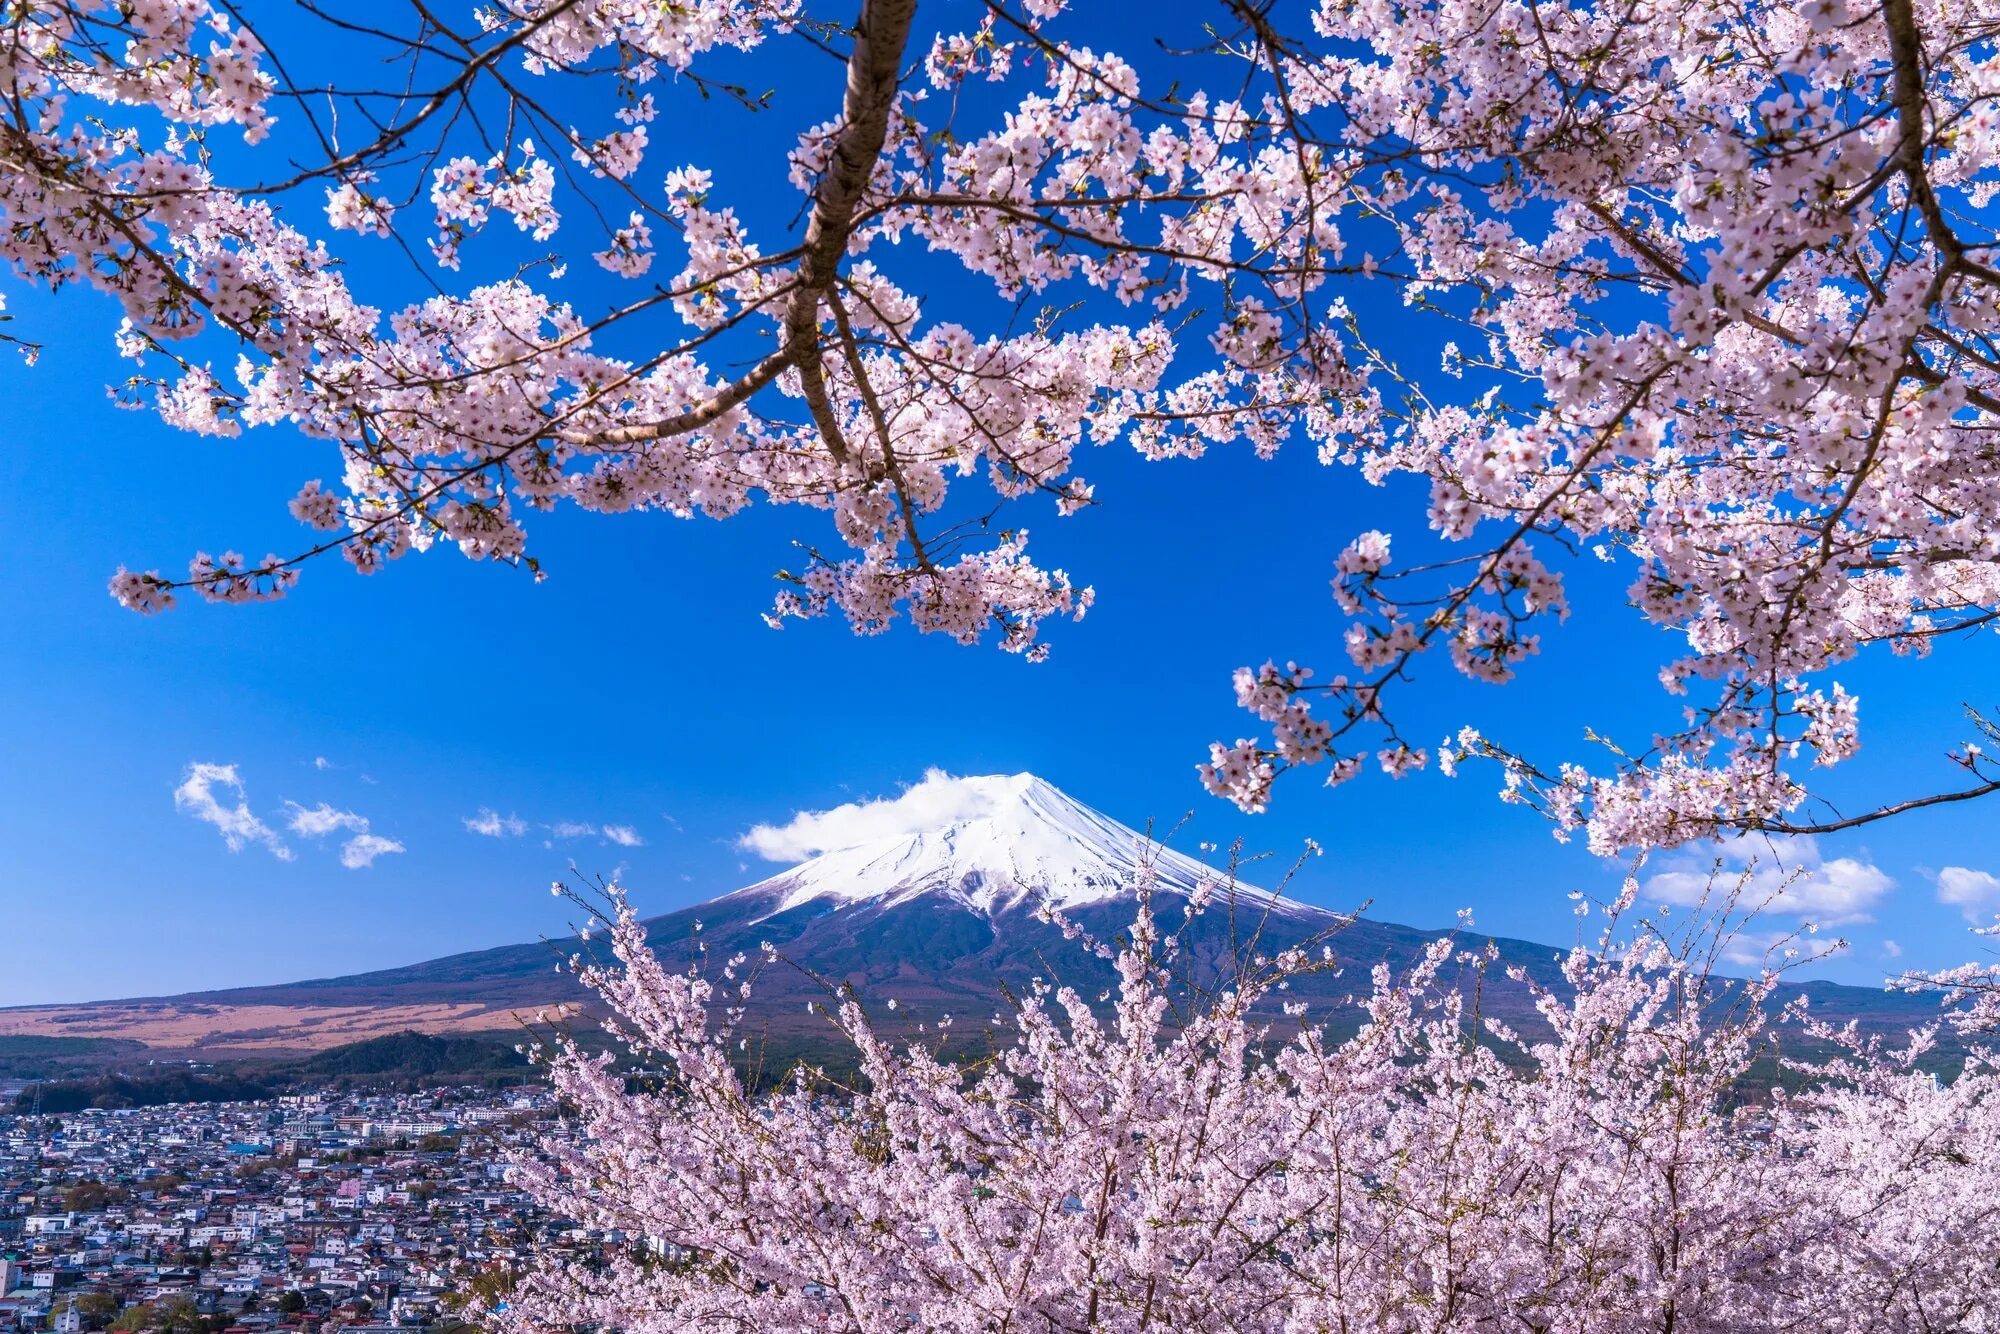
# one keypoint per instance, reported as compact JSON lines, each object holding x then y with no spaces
{"x":929,"y":899}
{"x":1018,"y":842}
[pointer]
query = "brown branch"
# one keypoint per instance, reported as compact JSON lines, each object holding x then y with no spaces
{"x":1906,"y":53}
{"x":696,"y":417}
{"x":874,"y":70}
{"x":1854,"y":821}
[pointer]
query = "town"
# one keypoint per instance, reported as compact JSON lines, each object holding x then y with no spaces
{"x":359,"y":1212}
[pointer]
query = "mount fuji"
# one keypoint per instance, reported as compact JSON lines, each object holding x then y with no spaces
{"x":936,"y":908}
{"x":1016,"y":842}
{"x":942,"y":916}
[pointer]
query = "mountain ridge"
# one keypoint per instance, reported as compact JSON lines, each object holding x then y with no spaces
{"x":943,"y":917}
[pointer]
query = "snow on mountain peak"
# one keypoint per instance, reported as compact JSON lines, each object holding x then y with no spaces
{"x":992,"y":843}
{"x":939,"y":799}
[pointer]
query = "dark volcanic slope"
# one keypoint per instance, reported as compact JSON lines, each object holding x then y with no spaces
{"x":943,"y":920}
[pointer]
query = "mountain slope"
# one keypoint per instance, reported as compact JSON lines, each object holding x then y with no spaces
{"x":1029,"y":843}
{"x":942,"y":918}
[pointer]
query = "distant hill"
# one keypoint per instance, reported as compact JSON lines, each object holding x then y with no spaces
{"x":36,"y":1056}
{"x":412,"y":1056}
{"x":155,"y":1089}
{"x":397,"y":1060}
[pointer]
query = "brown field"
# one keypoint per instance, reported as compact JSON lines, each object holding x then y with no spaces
{"x":191,"y":1026}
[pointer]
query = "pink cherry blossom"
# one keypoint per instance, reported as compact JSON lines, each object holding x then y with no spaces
{"x":1147,"y":1159}
{"x":1713,"y":289}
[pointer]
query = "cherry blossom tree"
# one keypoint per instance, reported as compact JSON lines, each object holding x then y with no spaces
{"x":1139,"y":1162}
{"x":1714,"y":287}
{"x":1712,"y":296}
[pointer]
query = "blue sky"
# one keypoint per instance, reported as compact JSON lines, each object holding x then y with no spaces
{"x":638,"y":687}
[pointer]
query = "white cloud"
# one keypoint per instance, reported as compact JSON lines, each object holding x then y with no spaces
{"x":356,"y":853}
{"x":321,"y":820}
{"x":359,"y":853}
{"x":1974,"y":893}
{"x":1892,"y":949}
{"x":624,"y":835}
{"x":1774,"y":948}
{"x":495,"y":825}
{"x":197,"y":796}
{"x":937,"y":800}
{"x":322,"y":762}
{"x":1752,"y":949}
{"x":1783,"y":876}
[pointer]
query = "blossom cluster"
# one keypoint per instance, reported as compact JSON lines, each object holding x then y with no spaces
{"x":1142,"y":1160}
{"x":1717,"y":283}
